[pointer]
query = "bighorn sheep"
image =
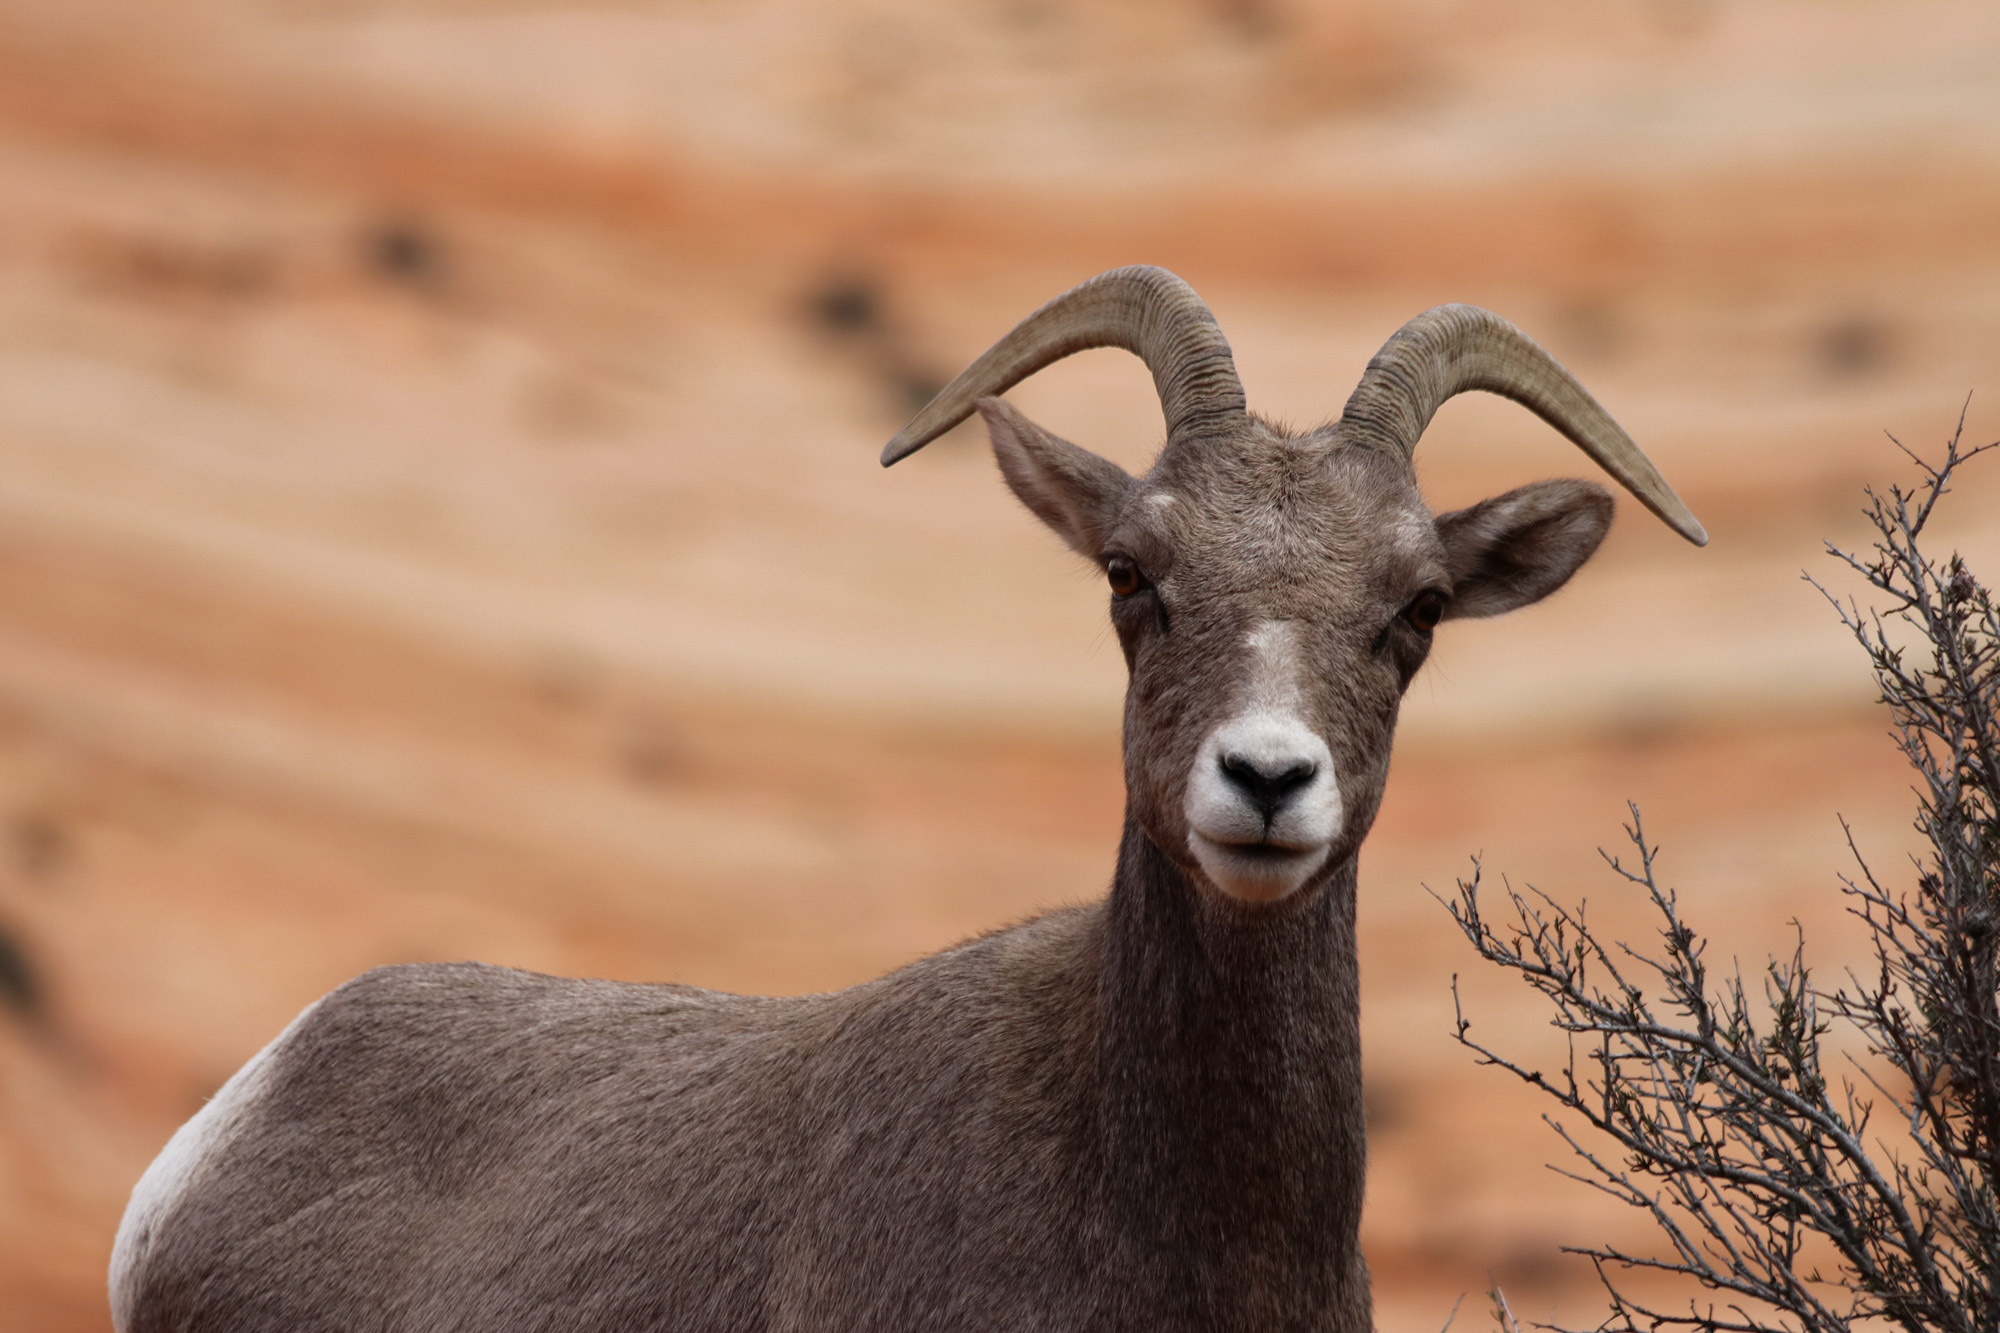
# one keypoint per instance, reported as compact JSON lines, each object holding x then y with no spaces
{"x":1142,"y":1113}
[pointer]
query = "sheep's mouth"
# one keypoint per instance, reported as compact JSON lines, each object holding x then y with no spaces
{"x":1263,"y":853}
{"x":1266,"y":850}
{"x":1263,"y":871}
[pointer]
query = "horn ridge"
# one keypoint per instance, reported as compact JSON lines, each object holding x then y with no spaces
{"x":1456,"y":348}
{"x":1147,"y":311}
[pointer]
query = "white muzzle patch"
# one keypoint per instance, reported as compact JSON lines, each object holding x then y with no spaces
{"x":1263,"y":803}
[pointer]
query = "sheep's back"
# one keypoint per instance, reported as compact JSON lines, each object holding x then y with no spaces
{"x":457,"y":1146}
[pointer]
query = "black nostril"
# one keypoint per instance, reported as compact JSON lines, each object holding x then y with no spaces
{"x":1267,"y":790}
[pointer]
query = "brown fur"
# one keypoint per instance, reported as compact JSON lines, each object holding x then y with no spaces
{"x":1142,"y":1114}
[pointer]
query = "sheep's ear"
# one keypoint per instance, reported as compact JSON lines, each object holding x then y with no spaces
{"x":1519,"y":547}
{"x":1070,"y":489}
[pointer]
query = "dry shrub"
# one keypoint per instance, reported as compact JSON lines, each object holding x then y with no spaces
{"x":1802,"y":1197}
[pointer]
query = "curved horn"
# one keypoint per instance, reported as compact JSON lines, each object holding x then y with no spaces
{"x":1455,"y":348}
{"x":1147,"y":311}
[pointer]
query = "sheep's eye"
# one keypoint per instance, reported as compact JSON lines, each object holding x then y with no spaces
{"x":1424,"y":611}
{"x":1124,"y":576}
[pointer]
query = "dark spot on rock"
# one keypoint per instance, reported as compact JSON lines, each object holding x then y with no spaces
{"x":1028,"y":13}
{"x":1255,"y":20}
{"x":20,"y":988}
{"x":847,"y":305}
{"x":1853,"y":346}
{"x":161,"y":268}
{"x":40,"y":845}
{"x":651,"y":756}
{"x":918,"y":388}
{"x":851,"y":310}
{"x":405,"y":252}
{"x":1386,"y":1107}
{"x":1536,"y":1264}
{"x":1644,"y":726}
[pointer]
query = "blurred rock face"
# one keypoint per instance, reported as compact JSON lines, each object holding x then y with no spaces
{"x":439,"y":519}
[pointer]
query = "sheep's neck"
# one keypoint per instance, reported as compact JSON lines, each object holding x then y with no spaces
{"x":1231,"y":1123}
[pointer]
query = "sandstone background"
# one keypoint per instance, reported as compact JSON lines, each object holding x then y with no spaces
{"x":439,"y":514}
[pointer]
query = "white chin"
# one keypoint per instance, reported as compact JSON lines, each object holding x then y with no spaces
{"x":1256,"y":872}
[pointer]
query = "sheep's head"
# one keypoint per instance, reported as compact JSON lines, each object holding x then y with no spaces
{"x":1274,"y":594}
